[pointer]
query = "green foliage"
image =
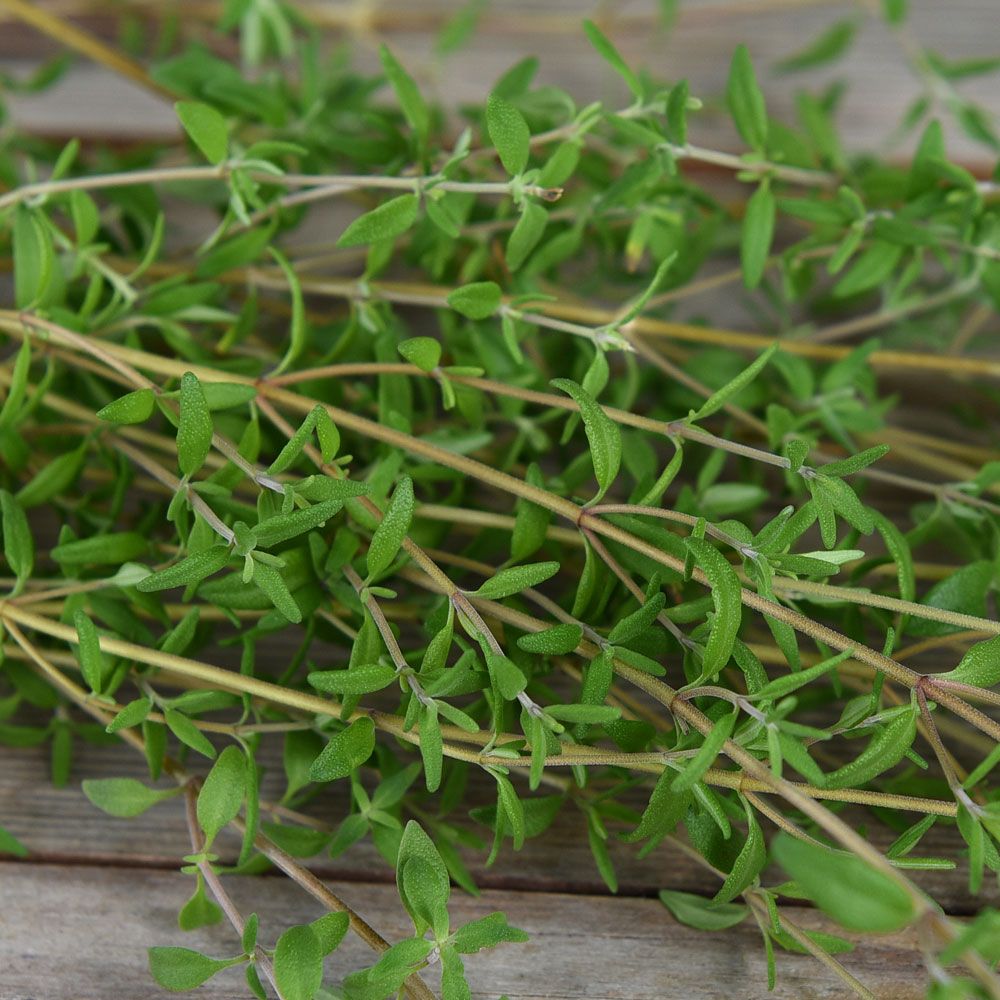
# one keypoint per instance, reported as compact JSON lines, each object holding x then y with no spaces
{"x":347,"y":750}
{"x":194,"y":430}
{"x":124,"y":796}
{"x":222,"y":794}
{"x":845,"y":887}
{"x":181,"y":969}
{"x":206,"y":128}
{"x":746,"y":101}
{"x":233,"y":522}
{"x":476,"y":301}
{"x":509,"y":133}
{"x":392,"y":529}
{"x":389,"y":220}
{"x":603,"y":436}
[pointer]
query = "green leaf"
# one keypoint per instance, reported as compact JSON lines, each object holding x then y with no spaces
{"x":18,"y":545}
{"x":9,"y":844}
{"x":509,"y":134}
{"x":844,"y":887}
{"x":132,"y":408}
{"x":188,"y":733}
{"x":727,"y":600}
{"x":525,"y":235}
{"x":607,"y":51}
{"x":514,"y":579}
{"x":899,"y":549}
{"x":586,"y":714}
{"x":603,"y":435}
{"x":666,"y":808}
{"x":199,"y":910}
{"x":86,"y":218}
{"x":963,"y":591}
{"x":282,"y":527}
{"x":560,"y":166}
{"x":118,"y":548}
{"x":424,"y":352}
{"x":18,"y":386}
{"x":389,"y":220}
{"x":206,"y":128}
{"x":91,"y":657}
{"x":124,"y":797}
{"x":508,"y":676}
{"x":55,"y":478}
{"x":194,"y":431}
{"x":227,"y":395}
{"x":298,"y":963}
{"x":486,"y":932}
{"x":34,"y":259}
{"x":297,"y":329}
{"x":555,"y":641}
{"x":362,"y":679}
{"x":249,"y":937}
{"x":329,"y":440}
{"x":512,"y":809}
{"x":848,"y":466}
{"x":980,"y":666}
{"x":330,"y":930}
{"x":746,"y":101}
{"x":707,"y":753}
{"x":133,"y":714}
{"x":530,"y":521}
{"x":748,"y":863}
{"x":192,"y":569}
{"x":181,"y":969}
{"x":431,"y":746}
{"x":884,"y":751}
{"x":392,"y":530}
{"x":388,"y":974}
{"x":414,"y":846}
{"x":696,"y":911}
{"x":828,"y":46}
{"x":348,"y":750}
{"x":720,"y":397}
{"x":222,"y":793}
{"x":638,"y":622}
{"x":757,"y":234}
{"x":427,"y":890}
{"x":409,"y":97}
{"x":870,"y":270}
{"x":271,"y":582}
{"x":782,"y":686}
{"x":476,"y":301}
{"x":291,"y":451}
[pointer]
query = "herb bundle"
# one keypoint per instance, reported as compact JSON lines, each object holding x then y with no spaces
{"x":476,"y":494}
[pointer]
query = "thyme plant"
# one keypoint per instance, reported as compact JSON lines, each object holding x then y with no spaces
{"x":480,"y":493}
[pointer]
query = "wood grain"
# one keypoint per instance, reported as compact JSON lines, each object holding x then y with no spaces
{"x":81,"y":932}
{"x":61,"y":825}
{"x":91,"y":101}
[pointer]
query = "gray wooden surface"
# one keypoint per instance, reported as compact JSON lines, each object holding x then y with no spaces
{"x":91,"y":100}
{"x":87,"y":928}
{"x":77,"y":915}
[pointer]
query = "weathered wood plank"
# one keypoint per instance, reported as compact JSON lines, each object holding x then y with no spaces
{"x":91,"y":101}
{"x":81,"y":932}
{"x":60,"y":824}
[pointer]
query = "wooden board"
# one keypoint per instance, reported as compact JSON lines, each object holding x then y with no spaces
{"x":81,"y":932}
{"x":78,"y":914}
{"x":89,"y":100}
{"x":60,"y":825}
